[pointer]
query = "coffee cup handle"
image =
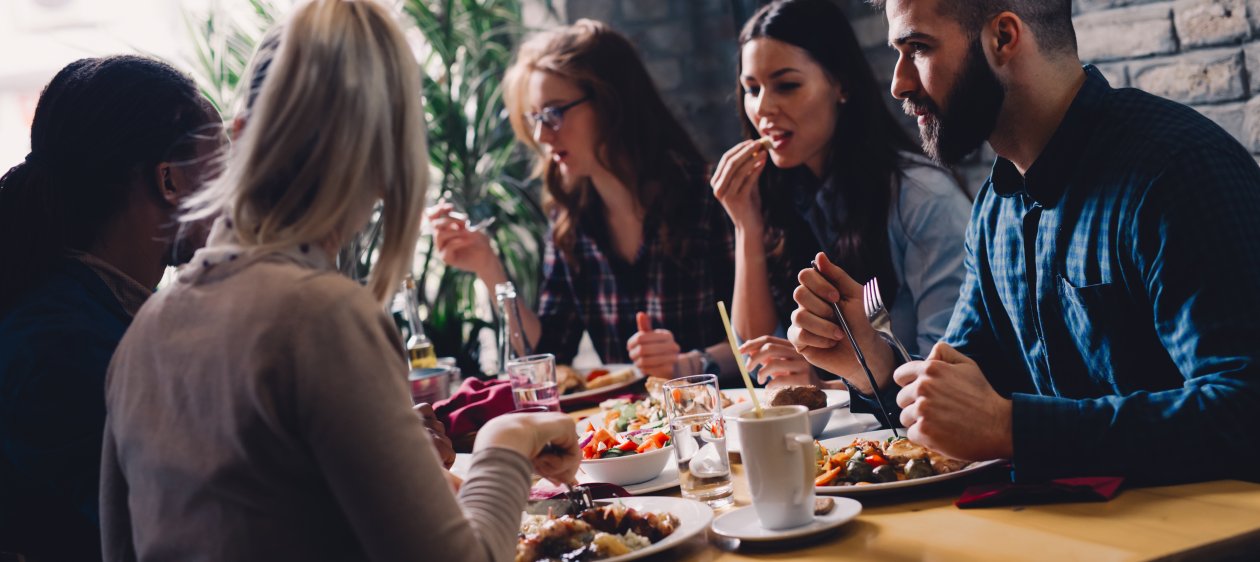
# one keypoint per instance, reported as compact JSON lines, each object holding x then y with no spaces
{"x":805,"y":445}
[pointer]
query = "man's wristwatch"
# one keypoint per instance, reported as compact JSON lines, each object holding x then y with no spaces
{"x":709,"y":365}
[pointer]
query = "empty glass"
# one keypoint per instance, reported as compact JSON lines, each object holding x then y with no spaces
{"x":694,"y":406}
{"x":533,"y":381}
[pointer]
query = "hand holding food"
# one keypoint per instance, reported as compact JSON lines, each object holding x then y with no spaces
{"x":653,"y":351}
{"x":948,"y":405}
{"x":820,"y":340}
{"x":548,"y":439}
{"x":735,"y":183}
{"x":457,"y":246}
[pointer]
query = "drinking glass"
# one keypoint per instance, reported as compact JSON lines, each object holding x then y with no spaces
{"x":694,"y":406}
{"x":533,"y":381}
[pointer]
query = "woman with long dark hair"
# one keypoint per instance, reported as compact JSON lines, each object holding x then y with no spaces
{"x":637,"y":247}
{"x":826,"y":168}
{"x":87,"y":227}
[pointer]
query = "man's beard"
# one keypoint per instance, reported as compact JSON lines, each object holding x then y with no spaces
{"x":970,"y":113}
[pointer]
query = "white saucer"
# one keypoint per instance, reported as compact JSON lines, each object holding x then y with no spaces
{"x":743,"y":524}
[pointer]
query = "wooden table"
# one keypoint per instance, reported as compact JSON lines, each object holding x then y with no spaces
{"x":1210,"y":520}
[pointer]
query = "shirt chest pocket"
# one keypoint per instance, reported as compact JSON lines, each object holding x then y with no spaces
{"x":1092,"y":316}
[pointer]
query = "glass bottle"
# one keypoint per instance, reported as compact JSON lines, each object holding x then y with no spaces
{"x":419,"y":348}
{"x":512,"y":340}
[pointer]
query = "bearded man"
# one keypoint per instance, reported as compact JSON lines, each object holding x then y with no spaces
{"x":1110,"y":314}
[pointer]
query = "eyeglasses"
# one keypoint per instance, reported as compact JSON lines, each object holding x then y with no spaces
{"x":552,"y":117}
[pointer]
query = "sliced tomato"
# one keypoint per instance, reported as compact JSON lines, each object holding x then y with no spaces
{"x":876,"y":460}
{"x":596,"y":374}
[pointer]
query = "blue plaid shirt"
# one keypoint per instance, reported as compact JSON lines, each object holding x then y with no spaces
{"x":1113,"y":293}
{"x":603,"y":295}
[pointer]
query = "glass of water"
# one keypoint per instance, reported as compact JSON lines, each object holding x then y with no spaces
{"x":533,"y":381}
{"x":699,"y":433}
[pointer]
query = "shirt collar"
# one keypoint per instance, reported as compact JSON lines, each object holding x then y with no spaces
{"x":129,"y":292}
{"x":1050,"y":173}
{"x":224,"y":255}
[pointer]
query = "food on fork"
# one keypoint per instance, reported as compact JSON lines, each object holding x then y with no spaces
{"x":805,"y":395}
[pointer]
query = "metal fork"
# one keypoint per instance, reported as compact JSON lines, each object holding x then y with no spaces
{"x":857,"y":351}
{"x":877,"y":314}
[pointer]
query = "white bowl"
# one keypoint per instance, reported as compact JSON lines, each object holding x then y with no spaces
{"x":818,"y":419}
{"x":630,"y":469}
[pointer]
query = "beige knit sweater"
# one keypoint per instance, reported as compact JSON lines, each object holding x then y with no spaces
{"x":258,"y":411}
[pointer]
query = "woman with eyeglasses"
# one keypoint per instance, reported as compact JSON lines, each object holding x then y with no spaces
{"x":840,"y":177}
{"x":638,"y":252}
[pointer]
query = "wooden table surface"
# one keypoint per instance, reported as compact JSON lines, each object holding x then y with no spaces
{"x":1209,"y":520}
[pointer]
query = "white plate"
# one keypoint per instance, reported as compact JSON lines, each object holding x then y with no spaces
{"x":612,"y":388}
{"x":864,"y":489}
{"x":693,"y":518}
{"x":666,"y":480}
{"x":744,"y":525}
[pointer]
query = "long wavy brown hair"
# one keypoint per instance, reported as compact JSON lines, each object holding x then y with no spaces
{"x":640,"y":141}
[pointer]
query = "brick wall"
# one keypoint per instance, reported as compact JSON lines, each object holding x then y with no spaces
{"x":1204,"y":53}
{"x":1199,"y":52}
{"x":687,"y":46}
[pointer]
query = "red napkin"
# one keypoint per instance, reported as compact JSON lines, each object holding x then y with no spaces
{"x":1063,"y":490}
{"x":475,"y":403}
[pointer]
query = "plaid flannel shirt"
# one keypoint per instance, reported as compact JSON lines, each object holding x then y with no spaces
{"x":603,"y":295}
{"x":1113,"y":293}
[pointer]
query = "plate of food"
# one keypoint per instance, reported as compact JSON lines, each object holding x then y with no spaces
{"x":577,"y":385}
{"x":875,"y":461}
{"x":614,"y":531}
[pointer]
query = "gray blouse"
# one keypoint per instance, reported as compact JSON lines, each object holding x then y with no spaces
{"x":926,"y":226}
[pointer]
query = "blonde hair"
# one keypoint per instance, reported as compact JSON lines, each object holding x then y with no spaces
{"x":336,"y":125}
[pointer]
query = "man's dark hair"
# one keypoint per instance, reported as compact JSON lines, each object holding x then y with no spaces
{"x":1050,"y":20}
{"x":98,"y":123}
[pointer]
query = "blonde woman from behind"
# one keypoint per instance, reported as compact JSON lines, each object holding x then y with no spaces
{"x":257,"y":408}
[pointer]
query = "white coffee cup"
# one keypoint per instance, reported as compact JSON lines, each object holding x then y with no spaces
{"x":778,"y":454}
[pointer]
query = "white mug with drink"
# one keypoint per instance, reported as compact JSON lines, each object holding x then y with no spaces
{"x":533,"y":380}
{"x":778,"y":453}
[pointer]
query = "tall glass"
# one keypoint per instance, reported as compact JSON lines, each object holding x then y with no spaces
{"x":533,"y":380}
{"x":699,"y":433}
